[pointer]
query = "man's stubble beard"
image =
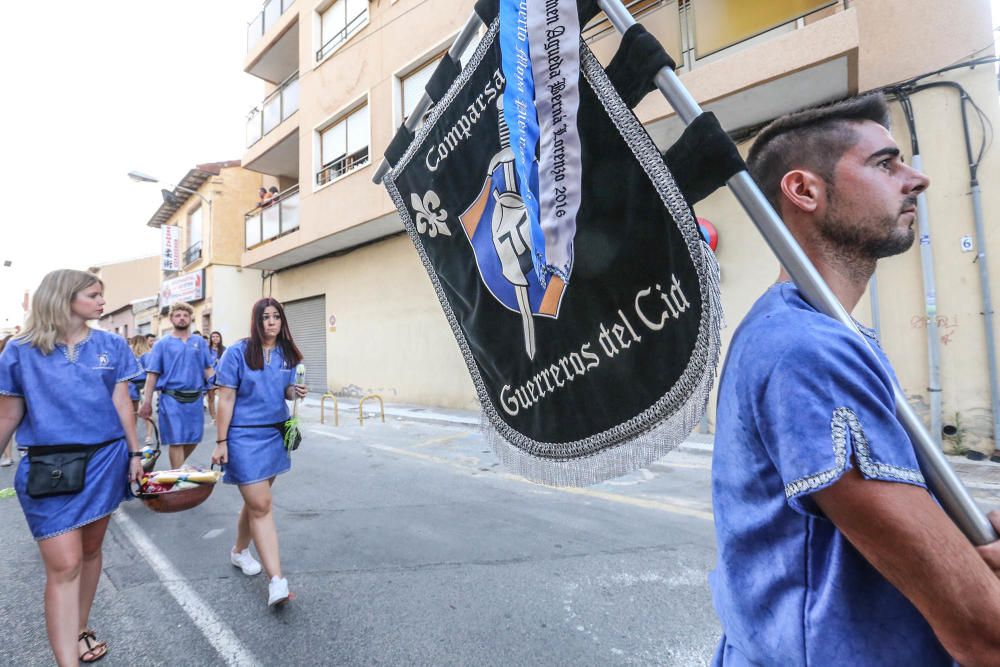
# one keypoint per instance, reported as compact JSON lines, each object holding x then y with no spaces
{"x":857,"y":243}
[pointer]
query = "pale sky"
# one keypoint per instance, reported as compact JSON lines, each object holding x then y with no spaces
{"x":94,"y":90}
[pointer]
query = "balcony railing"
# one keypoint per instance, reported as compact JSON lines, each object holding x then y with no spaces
{"x":336,"y":39}
{"x":275,"y":108}
{"x":341,"y":166}
{"x":273,"y":218}
{"x":192,"y":254}
{"x":265,"y":20}
{"x":700,"y":46}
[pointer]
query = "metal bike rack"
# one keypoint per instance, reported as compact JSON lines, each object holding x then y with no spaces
{"x":361,"y":407}
{"x":322,"y":409}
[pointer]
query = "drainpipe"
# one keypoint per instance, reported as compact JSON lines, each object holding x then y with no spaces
{"x":930,"y":284}
{"x":984,"y":272}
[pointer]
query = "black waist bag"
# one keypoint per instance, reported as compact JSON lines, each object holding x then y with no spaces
{"x":60,"y":470}
{"x":183,"y":396}
{"x":282,"y":429}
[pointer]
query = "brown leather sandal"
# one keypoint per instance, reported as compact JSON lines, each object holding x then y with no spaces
{"x":95,"y":649}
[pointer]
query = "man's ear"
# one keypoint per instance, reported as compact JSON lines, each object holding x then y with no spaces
{"x":803,"y":190}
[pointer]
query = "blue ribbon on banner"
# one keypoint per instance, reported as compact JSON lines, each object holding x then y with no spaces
{"x":521,"y":116}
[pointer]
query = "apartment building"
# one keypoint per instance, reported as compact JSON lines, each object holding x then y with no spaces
{"x":205,"y":214}
{"x":341,"y":75}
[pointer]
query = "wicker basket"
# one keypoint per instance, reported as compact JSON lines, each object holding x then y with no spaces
{"x":176,"y":501}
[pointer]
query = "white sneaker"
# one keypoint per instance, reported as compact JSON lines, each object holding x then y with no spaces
{"x":6,"y":462}
{"x":277,"y":591}
{"x":245,"y":561}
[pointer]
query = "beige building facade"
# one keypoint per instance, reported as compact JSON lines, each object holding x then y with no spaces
{"x":340,"y":76}
{"x":207,"y":209}
{"x":129,"y":287}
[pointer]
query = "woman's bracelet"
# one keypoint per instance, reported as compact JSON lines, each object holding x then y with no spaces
{"x":219,"y":442}
{"x":133,"y":455}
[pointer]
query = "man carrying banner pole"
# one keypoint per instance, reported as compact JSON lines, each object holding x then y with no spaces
{"x":822,"y":514}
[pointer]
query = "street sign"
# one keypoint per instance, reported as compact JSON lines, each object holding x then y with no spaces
{"x":170,"y":255}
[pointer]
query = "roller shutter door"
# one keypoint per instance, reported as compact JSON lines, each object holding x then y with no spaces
{"x":307,"y":319}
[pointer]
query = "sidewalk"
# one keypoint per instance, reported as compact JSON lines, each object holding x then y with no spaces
{"x":976,"y":475}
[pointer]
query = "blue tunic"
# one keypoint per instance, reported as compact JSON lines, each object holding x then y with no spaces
{"x":181,"y":367}
{"x":800,"y":395}
{"x":210,"y":382}
{"x":67,"y":401}
{"x":255,"y":454}
{"x":135,"y":386}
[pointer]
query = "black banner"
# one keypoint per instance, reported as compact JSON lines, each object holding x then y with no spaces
{"x":580,"y":380}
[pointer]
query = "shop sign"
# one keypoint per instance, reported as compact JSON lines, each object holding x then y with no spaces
{"x":189,"y":288}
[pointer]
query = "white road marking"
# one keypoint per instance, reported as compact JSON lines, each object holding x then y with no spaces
{"x":230,"y":649}
{"x":335,"y":436}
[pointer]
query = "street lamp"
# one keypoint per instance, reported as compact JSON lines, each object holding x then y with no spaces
{"x":140,"y":177}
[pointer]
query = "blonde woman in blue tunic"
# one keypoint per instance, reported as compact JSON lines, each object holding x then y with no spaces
{"x":255,"y":377}
{"x":64,"y":388}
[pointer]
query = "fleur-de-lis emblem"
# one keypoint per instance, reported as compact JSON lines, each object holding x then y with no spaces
{"x":429,"y":220}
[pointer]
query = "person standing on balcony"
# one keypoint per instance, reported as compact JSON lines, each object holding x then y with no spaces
{"x":831,"y":548}
{"x":178,"y":367}
{"x":256,"y":377}
{"x":63,"y":386}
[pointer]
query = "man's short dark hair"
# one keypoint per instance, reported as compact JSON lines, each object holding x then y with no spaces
{"x":813,"y":139}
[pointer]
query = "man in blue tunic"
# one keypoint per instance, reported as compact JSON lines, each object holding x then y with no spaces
{"x":178,"y":366}
{"x":831,"y":549}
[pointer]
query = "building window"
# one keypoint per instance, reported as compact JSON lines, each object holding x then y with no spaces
{"x":413,"y":84}
{"x":338,"y":22}
{"x":344,"y":145}
{"x":193,"y":251}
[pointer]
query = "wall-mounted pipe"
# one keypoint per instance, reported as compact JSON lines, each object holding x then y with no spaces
{"x":930,"y":284}
{"x":977,"y":214}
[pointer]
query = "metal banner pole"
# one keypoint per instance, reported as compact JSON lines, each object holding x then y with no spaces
{"x":469,"y":32}
{"x":941,"y":478}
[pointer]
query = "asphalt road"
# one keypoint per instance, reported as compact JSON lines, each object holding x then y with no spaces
{"x":405,"y":544}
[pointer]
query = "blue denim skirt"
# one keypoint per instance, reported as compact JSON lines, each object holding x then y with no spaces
{"x":105,"y":489}
{"x":255,"y":454}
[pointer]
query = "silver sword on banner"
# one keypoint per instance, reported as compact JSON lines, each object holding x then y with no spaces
{"x":511,"y":231}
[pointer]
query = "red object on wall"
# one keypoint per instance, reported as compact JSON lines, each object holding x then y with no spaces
{"x":709,"y":233}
